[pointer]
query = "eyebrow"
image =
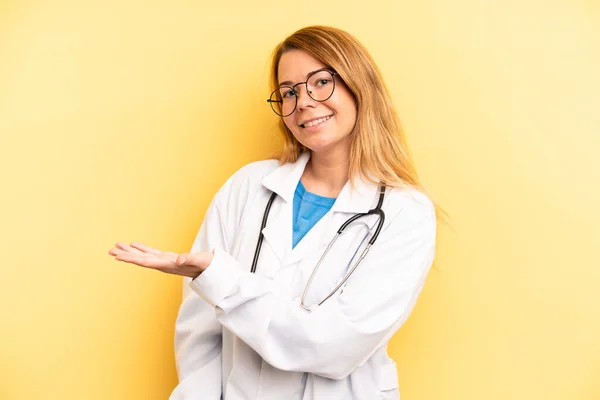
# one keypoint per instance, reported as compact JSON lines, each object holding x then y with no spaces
{"x":289,"y":83}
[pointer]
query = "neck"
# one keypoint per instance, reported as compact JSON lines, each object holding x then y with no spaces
{"x":326,"y":174}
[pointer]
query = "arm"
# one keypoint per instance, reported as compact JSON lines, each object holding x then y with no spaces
{"x":343,"y":333}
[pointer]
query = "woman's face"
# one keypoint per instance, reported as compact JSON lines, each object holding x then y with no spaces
{"x":323,"y":127}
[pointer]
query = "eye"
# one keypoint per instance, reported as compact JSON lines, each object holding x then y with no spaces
{"x":288,"y":93}
{"x":323,"y":82}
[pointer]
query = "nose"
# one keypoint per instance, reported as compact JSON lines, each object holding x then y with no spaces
{"x":304,"y":100}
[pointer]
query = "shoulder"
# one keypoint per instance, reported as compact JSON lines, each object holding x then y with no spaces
{"x":409,"y":207}
{"x":246,"y":181}
{"x":255,"y":171}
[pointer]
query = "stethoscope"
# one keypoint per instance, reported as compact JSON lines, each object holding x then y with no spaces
{"x":377,"y":210}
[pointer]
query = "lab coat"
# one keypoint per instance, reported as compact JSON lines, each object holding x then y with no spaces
{"x":244,"y":336}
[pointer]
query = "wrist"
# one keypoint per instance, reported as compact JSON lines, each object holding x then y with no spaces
{"x":207,"y":259}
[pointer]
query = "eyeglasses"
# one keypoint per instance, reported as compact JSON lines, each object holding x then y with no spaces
{"x":320,"y":85}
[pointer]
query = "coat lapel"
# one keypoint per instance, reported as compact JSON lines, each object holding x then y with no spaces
{"x":283,"y":182}
{"x":350,"y":201}
{"x":278,"y":231}
{"x":311,"y":242}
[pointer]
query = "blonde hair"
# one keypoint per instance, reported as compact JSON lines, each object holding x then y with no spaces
{"x":378,"y":150}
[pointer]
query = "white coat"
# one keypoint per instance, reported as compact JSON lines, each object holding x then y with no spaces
{"x":244,"y":336}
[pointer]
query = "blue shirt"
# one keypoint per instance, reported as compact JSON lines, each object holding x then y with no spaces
{"x":309,"y":208}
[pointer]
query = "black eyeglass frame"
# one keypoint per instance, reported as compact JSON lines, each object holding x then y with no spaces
{"x":271,"y":101}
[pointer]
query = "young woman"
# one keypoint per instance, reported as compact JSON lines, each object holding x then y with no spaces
{"x":306,"y":266}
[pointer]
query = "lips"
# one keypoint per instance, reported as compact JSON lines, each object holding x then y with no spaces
{"x":316,"y":121}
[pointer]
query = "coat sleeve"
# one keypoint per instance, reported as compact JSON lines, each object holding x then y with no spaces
{"x":198,"y":333}
{"x":340,"y":335}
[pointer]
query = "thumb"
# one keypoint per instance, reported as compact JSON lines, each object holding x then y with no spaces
{"x":199,"y":260}
{"x":181,"y":259}
{"x":189,"y":259}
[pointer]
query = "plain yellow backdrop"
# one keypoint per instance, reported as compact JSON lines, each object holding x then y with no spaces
{"x":119,"y":120}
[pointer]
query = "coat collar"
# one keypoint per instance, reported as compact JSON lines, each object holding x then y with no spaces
{"x":284,"y":180}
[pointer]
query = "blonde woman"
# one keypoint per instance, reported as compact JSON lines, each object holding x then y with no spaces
{"x":306,"y":266}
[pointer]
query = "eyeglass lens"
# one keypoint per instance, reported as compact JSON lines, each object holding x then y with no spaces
{"x":319,"y":87}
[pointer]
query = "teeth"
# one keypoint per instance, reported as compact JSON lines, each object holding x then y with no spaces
{"x":316,"y":122}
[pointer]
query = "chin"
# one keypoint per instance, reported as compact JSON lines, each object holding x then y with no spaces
{"x":322,"y":146}
{"x":322,"y":142}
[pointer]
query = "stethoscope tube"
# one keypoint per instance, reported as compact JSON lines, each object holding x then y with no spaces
{"x":261,"y":236}
{"x":377,"y":210}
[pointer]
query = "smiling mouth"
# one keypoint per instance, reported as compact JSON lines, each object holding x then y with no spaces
{"x":315,"y":122}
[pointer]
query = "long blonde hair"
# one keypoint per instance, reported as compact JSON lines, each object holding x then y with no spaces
{"x":378,"y":150}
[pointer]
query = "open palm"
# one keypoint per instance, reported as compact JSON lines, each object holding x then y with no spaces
{"x":186,"y":264}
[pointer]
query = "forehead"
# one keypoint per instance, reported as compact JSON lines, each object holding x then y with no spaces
{"x":295,"y":65}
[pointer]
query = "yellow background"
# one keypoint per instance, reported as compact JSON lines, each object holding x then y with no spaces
{"x":120,"y":119}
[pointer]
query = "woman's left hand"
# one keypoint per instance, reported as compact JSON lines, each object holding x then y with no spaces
{"x":185,"y":264}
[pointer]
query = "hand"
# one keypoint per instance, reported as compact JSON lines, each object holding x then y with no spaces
{"x":185,"y":264}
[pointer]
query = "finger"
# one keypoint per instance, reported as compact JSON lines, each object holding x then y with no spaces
{"x":115,"y":251}
{"x":146,"y":249}
{"x":146,"y":261}
{"x":160,"y":264}
{"x":127,"y":248}
{"x":131,"y":258}
{"x":166,"y":266}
